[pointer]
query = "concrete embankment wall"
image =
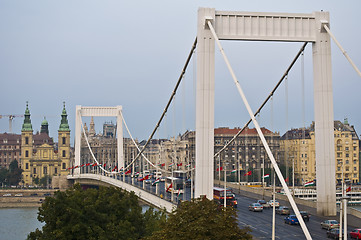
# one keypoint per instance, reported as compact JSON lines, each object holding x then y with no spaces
{"x":353,"y":216}
{"x":27,"y":200}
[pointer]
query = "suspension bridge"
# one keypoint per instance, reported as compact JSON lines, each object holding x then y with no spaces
{"x":214,"y":26}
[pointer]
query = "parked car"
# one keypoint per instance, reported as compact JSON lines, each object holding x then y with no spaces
{"x":356,"y":233}
{"x":255,"y":207}
{"x":264,"y":203}
{"x":334,"y":233}
{"x":34,"y":194}
{"x":47,"y":194}
{"x":18,"y":195}
{"x":329,"y":224}
{"x":292,"y":220}
{"x":276,"y":203}
{"x":7,"y":195}
{"x":283,"y":210}
{"x":305,"y":215}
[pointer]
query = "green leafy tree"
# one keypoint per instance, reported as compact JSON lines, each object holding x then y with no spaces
{"x":201,"y":219}
{"x":45,"y":181}
{"x":107,"y":213}
{"x":3,"y":175}
{"x":15,"y":173}
{"x":36,"y":180}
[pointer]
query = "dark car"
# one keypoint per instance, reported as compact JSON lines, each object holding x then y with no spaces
{"x":292,"y":220}
{"x":283,"y":210}
{"x":305,"y":215}
{"x":333,"y":233}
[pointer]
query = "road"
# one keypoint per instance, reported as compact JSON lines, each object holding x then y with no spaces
{"x":259,"y":222}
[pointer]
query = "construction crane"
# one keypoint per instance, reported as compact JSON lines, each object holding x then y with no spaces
{"x":11,"y":117}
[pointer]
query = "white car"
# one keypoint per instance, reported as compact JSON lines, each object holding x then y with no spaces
{"x":7,"y":195}
{"x":276,"y":203}
{"x":18,"y":195}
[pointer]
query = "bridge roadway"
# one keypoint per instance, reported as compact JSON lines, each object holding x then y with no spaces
{"x":147,"y":196}
{"x":259,"y":222}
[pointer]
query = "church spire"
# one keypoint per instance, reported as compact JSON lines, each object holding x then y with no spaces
{"x":27,"y":121}
{"x":92,"y":127}
{"x":64,"y":126}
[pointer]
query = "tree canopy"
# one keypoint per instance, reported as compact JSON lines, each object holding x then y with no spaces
{"x":201,"y":219}
{"x":11,"y":176}
{"x":107,"y":213}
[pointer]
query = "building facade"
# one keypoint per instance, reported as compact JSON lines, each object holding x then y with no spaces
{"x":298,"y":148}
{"x":245,"y":154}
{"x":104,"y":147}
{"x":297,"y":151}
{"x":40,"y":156}
{"x":10,"y":149}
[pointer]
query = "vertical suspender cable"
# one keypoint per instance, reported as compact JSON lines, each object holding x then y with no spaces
{"x":264,"y":142}
{"x":286,"y":117}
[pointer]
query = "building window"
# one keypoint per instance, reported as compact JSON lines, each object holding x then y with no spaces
{"x":354,"y":168}
{"x":347,"y":162}
{"x":45,"y":170}
{"x":26,"y":153}
{"x":64,"y":165}
{"x":55,"y":170}
{"x":347,"y":155}
{"x":64,"y":140}
{"x":26,"y":165}
{"x":34,"y":171}
{"x":26,"y":140}
{"x":64,"y":153}
{"x":346,"y":148}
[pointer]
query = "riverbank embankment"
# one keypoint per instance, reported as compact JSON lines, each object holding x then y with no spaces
{"x":19,"y":198}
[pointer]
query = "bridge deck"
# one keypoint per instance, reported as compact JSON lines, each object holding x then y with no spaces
{"x":148,"y":197}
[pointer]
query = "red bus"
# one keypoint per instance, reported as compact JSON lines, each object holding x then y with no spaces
{"x":218,"y":196}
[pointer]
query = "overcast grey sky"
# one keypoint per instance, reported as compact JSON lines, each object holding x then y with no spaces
{"x":130,"y":53}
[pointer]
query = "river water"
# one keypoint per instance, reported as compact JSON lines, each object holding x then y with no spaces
{"x":17,"y":223}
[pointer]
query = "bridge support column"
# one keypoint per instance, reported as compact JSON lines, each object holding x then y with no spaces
{"x":204,"y":107}
{"x":324,"y":125}
{"x":120,"y":139}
